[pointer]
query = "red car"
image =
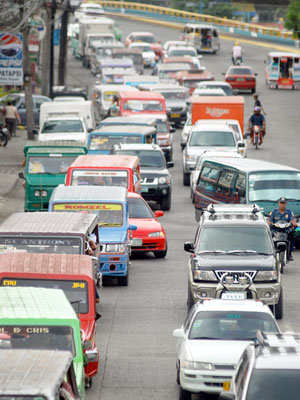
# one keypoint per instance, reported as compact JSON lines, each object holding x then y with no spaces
{"x":146,"y":37}
{"x":150,"y":234}
{"x":241,"y":78}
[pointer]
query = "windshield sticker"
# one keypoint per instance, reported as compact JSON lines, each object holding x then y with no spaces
{"x":87,"y":206}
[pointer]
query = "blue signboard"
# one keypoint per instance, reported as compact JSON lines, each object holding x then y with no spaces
{"x":11,"y":59}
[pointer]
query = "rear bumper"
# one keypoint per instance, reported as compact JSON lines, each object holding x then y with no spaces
{"x":114,"y":264}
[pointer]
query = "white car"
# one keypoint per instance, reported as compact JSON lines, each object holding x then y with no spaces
{"x":147,"y":52}
{"x":209,"y":92}
{"x":89,"y":9}
{"x":216,"y":84}
{"x":212,"y":340}
{"x":64,"y":128}
{"x":181,"y":51}
{"x":187,"y":129}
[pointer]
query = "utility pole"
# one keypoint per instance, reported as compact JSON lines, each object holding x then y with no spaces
{"x":46,"y":43}
{"x":51,"y":79}
{"x":63,"y":48}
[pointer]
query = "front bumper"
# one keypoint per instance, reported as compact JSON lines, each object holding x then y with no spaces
{"x":175,"y":117}
{"x":149,"y":244}
{"x":114,"y":264}
{"x":155,"y":193}
{"x":196,"y":381}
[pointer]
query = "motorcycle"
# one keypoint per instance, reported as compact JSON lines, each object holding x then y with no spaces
{"x":256,"y":136}
{"x":281,"y":241}
{"x":238,"y":61}
{"x":236,"y":285}
{"x":3,"y":136}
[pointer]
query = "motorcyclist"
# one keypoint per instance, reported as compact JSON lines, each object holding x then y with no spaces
{"x":257,"y":119}
{"x":283,"y":214}
{"x":237,"y":53}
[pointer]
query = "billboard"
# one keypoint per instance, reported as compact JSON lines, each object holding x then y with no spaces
{"x":11,"y":58}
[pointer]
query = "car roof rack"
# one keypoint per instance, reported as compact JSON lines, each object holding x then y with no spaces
{"x":239,"y":211}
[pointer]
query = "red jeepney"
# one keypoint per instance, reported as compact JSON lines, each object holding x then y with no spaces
{"x":73,"y":273}
{"x":132,"y":103}
{"x":105,"y":170}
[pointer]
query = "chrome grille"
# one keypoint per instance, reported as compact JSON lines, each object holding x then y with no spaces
{"x":235,"y":274}
{"x":149,"y":181}
{"x":224,"y":367}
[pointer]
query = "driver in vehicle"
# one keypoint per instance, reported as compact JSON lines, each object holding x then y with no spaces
{"x":283,"y":214}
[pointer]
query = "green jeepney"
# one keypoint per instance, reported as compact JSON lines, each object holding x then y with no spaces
{"x":46,"y":164}
{"x":41,"y":319}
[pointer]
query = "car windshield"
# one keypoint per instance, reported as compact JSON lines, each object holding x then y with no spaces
{"x":37,"y":337}
{"x":229,"y":239}
{"x":275,"y":384}
{"x":99,"y":177}
{"x":172,"y":95}
{"x":272,"y":185}
{"x":167,"y":75}
{"x":105,"y":142}
{"x":108,"y":96}
{"x":43,"y":244}
{"x":212,"y":138}
{"x":230,"y":325}
{"x":182,"y":53}
{"x":62,"y":126}
{"x":240,"y":71}
{"x":138,"y":208}
{"x":145,"y":39}
{"x":103,"y":52}
{"x":148,"y":158}
{"x":161,"y":126}
{"x":190,"y":83}
{"x":109,"y":214}
{"x":225,"y":88}
{"x":143,"y":105}
{"x":52,"y":165}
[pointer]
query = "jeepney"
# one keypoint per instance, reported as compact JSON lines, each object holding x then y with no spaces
{"x":41,"y":319}
{"x":204,"y":37}
{"x":45,"y":168}
{"x":74,"y":274}
{"x":102,"y":140}
{"x":49,"y":375}
{"x":110,"y":206}
{"x":283,"y":70}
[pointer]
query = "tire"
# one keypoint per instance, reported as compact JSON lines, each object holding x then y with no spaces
{"x":282,"y":261}
{"x":3,"y":140}
{"x":186,"y":179}
{"x":279,"y":307}
{"x":178,"y":373}
{"x":161,"y":253}
{"x":252,"y":90}
{"x":184,"y":394}
{"x":89,"y":383}
{"x":123,"y":280}
{"x":83,"y":62}
{"x":166,"y":203}
{"x":190,"y":301}
{"x":256,"y":142}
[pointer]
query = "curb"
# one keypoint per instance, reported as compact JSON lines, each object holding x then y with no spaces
{"x":12,"y":187}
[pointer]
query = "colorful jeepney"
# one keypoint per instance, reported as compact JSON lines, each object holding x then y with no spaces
{"x":283,"y":70}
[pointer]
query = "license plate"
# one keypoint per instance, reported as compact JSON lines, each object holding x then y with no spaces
{"x":234,"y":295}
{"x":144,"y":189}
{"x":136,"y":242}
{"x":175,"y":115}
{"x":205,"y":48}
{"x":226,"y":386}
{"x":240,"y":79}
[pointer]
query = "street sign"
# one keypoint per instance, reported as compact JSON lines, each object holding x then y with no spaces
{"x":37,"y":24}
{"x":11,"y":58}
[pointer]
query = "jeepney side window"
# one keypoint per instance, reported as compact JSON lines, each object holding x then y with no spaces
{"x":208,"y":178}
{"x":296,"y":64}
{"x":275,"y":64}
{"x":240,"y":188}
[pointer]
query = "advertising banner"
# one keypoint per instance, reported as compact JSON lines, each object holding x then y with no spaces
{"x":11,"y":59}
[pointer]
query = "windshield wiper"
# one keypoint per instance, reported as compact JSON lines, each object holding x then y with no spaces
{"x":206,"y":338}
{"x":212,"y":252}
{"x":247,"y":252}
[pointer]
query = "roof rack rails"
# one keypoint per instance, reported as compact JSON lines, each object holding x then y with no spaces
{"x":278,"y":339}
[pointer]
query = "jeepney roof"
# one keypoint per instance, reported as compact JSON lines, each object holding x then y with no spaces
{"x":114,"y":88}
{"x":130,"y":120}
{"x":283,"y":54}
{"x":164,"y":86}
{"x":126,"y":50}
{"x":201,"y":26}
{"x":106,"y":161}
{"x":141,"y":95}
{"x":54,"y":143}
{"x":49,"y":223}
{"x":116,"y":62}
{"x":37,"y":263}
{"x":89,"y":194}
{"x":55,"y":150}
{"x":30,"y":303}
{"x":141,"y":129}
{"x":28,"y":372}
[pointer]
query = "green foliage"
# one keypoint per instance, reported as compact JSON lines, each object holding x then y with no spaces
{"x":218,"y":9}
{"x":293,"y":18}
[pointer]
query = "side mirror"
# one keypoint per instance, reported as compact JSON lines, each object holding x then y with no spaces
{"x":170,"y":164}
{"x":255,"y":74}
{"x":189,"y":247}
{"x":183,"y":145}
{"x":158,"y":214}
{"x":99,"y":283}
{"x":241,"y":144}
{"x":35,"y":132}
{"x":132,"y":227}
{"x":178,"y":333}
{"x":21,"y":175}
{"x":199,"y":57}
{"x":172,"y":129}
{"x":97,"y":316}
{"x":91,"y":356}
{"x":226,"y":396}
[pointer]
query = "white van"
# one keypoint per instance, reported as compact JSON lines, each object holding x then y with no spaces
{"x":63,"y":128}
{"x":205,"y":38}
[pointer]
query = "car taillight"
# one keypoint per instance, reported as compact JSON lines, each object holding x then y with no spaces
{"x":250,"y":79}
{"x":230,"y":78}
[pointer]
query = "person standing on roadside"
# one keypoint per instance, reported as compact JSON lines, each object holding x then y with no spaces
{"x":10,"y":116}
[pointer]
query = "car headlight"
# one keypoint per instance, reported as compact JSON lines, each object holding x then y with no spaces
{"x":191,"y":158}
{"x":165,"y":142}
{"x":115,"y":248}
{"x":156,"y":234}
{"x":266,"y":276}
{"x":37,"y":193}
{"x":198,"y":365}
{"x":201,"y":275}
{"x":164,"y":179}
{"x":44,"y":193}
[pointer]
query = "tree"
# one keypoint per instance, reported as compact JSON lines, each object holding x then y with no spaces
{"x":293,"y":18}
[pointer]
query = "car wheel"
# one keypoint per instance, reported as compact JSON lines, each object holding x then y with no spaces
{"x":89,"y":383}
{"x":123,"y":280}
{"x":186,"y":179}
{"x":279,"y":307}
{"x":190,"y":300}
{"x":184,"y":394}
{"x":166,"y":203}
{"x":178,"y":372}
{"x":161,"y":253}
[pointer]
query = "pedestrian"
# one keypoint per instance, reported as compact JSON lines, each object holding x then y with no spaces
{"x":257,"y":103}
{"x":10,"y":115}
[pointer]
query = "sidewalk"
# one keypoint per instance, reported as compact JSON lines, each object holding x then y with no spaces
{"x":11,"y":158}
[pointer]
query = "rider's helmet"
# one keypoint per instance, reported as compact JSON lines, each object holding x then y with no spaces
{"x":257,"y":110}
{"x":236,"y":43}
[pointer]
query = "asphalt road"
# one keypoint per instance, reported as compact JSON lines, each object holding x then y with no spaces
{"x":134,"y":335}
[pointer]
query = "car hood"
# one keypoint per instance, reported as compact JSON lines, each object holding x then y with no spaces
{"x":236,"y":262}
{"x":112,"y":235}
{"x":153,"y":172}
{"x":198,"y":150}
{"x":76,"y":136}
{"x":216,"y":351}
{"x":148,"y":54}
{"x":144,"y":226}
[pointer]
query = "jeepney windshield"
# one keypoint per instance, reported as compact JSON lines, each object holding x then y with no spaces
{"x":143,"y":105}
{"x":174,"y":95}
{"x":271,"y":185}
{"x":52,"y":165}
{"x":108,"y":96}
{"x":45,"y":337}
{"x":75,"y":290}
{"x":62,"y":126}
{"x":105,"y":142}
{"x":99,"y":177}
{"x":109,"y":214}
{"x":43,"y":244}
{"x":161,"y":126}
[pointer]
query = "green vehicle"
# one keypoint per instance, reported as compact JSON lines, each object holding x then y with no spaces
{"x":41,"y":319}
{"x":45,"y":168}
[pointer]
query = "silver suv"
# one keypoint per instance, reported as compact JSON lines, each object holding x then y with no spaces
{"x":234,"y":242}
{"x":268,"y":371}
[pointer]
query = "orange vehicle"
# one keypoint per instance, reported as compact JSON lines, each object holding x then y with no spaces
{"x":73,"y":273}
{"x":105,"y":170}
{"x":191,"y":78}
{"x":132,"y":103}
{"x":218,"y":107}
